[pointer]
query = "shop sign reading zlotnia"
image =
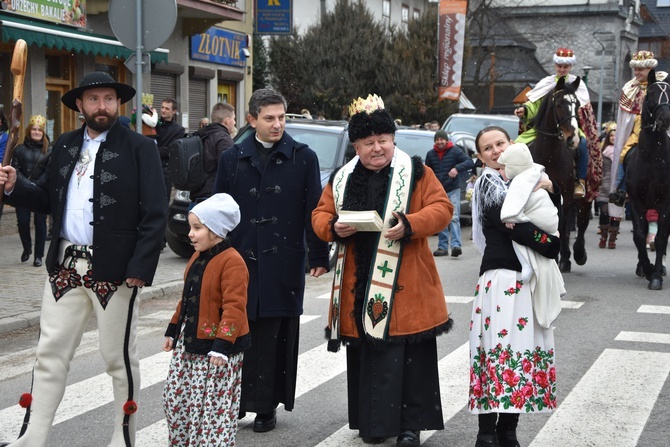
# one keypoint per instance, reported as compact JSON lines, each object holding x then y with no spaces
{"x":219,"y":46}
{"x":68,"y":12}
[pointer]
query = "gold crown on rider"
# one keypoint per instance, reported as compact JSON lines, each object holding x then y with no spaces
{"x":367,"y":105}
{"x":564,"y":56}
{"x":643,"y":59}
{"x":39,"y":121}
{"x":148,"y":99}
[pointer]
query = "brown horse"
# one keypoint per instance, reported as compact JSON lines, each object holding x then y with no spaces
{"x":648,"y":181}
{"x":556,"y":125}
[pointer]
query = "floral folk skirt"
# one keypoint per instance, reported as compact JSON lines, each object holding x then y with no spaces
{"x":202,"y":401}
{"x":512,"y":365}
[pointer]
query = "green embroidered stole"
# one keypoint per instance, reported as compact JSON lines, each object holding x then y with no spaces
{"x":386,"y":259}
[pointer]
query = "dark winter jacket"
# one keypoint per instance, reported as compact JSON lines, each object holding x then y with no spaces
{"x":28,"y":159}
{"x":276,"y":202}
{"x":454,"y":157}
{"x":166,"y":133}
{"x":215,"y":140}
{"x":129,"y":205}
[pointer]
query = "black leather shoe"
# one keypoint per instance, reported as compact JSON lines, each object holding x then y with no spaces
{"x":265,"y":422}
{"x":37,"y":263}
{"x":487,"y":440}
{"x":26,"y":255}
{"x":408,"y":438}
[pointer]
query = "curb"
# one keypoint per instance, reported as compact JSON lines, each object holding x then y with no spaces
{"x":30,"y":319}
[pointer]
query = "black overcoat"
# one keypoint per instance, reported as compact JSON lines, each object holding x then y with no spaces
{"x":129,"y":205}
{"x":276,"y":202}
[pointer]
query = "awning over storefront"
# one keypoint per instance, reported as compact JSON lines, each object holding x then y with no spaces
{"x":46,"y":35}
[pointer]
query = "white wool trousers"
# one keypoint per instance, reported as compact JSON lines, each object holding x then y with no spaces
{"x":62,"y":324}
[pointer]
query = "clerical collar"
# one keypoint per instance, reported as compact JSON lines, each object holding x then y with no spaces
{"x":264,"y":144}
{"x":99,"y":139}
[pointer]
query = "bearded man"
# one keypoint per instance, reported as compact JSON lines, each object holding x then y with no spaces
{"x":104,"y":189}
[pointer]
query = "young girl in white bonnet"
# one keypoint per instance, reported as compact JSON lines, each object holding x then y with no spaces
{"x":203,"y":387}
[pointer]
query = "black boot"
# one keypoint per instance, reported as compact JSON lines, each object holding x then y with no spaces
{"x":487,"y":436}
{"x":506,"y":429}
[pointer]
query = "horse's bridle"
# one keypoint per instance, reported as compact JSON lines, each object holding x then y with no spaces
{"x":664,"y":94}
{"x":559,"y":132}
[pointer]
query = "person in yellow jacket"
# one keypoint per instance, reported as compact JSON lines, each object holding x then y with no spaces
{"x":564,"y":60}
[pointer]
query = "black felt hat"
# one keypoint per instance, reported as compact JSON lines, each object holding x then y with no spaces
{"x":97,"y":79}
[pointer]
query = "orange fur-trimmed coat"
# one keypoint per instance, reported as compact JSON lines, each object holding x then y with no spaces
{"x":419,"y":308}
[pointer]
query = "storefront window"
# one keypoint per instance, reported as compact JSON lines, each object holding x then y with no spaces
{"x":57,"y":66}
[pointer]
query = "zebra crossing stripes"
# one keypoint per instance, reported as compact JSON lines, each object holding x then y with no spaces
{"x":647,"y":309}
{"x":453,"y":389}
{"x":643,"y":337}
{"x":611,"y":403}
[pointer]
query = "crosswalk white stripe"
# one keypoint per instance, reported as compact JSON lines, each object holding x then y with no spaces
{"x":643,"y":337}
{"x":315,"y":367}
{"x":453,"y":391}
{"x":21,"y":362}
{"x":647,"y":309}
{"x":566,"y":304}
{"x":459,"y":299}
{"x":87,"y":395}
{"x":307,"y":318}
{"x":611,"y":403}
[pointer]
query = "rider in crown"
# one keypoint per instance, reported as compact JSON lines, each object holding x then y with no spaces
{"x":588,"y":158}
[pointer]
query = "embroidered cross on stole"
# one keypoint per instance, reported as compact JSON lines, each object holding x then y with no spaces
{"x":386,"y":259}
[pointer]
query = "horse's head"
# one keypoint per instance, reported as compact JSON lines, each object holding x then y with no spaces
{"x":557,"y":115}
{"x":656,"y":110}
{"x":566,"y":105}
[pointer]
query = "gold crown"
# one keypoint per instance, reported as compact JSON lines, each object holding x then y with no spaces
{"x":643,"y":55}
{"x":148,"y":99}
{"x":367,"y":105}
{"x":38,"y":120}
{"x":565,"y":52}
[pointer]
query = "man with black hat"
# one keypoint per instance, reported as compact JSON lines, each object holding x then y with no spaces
{"x":450,"y":164}
{"x":104,"y":189}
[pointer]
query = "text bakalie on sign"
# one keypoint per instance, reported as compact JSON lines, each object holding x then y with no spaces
{"x":219,"y":46}
{"x":68,"y":12}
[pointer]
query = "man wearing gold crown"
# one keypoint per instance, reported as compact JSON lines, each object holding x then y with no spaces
{"x":276,"y":182}
{"x":387,"y":303}
{"x":589,"y":160}
{"x":629,"y":123}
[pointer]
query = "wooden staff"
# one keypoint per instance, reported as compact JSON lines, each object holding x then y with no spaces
{"x":19,"y":59}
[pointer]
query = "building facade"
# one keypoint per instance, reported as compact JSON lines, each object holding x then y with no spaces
{"x":202,"y":61}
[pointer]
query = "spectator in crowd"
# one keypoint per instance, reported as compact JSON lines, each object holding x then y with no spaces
{"x":30,"y":161}
{"x":451,"y":166}
{"x":216,"y":139}
{"x":167,"y":131}
{"x":204,"y":122}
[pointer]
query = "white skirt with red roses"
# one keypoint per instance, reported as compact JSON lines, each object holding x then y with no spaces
{"x":202,"y":401}
{"x":512,"y":365}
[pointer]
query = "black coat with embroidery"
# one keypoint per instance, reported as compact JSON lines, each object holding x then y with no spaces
{"x":129,"y":205}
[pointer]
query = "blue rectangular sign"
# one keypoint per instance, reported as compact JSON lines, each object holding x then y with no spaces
{"x":274,"y":16}
{"x":219,"y":46}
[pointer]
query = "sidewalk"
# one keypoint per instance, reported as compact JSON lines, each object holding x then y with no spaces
{"x":22,"y":284}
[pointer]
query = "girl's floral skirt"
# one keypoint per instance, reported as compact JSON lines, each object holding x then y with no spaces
{"x":512,"y":365}
{"x":202,"y":401}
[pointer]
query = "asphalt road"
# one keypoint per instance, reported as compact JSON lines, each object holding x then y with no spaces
{"x":612,"y":350}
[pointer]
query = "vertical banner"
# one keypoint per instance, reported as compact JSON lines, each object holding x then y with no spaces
{"x":450,"y":42}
